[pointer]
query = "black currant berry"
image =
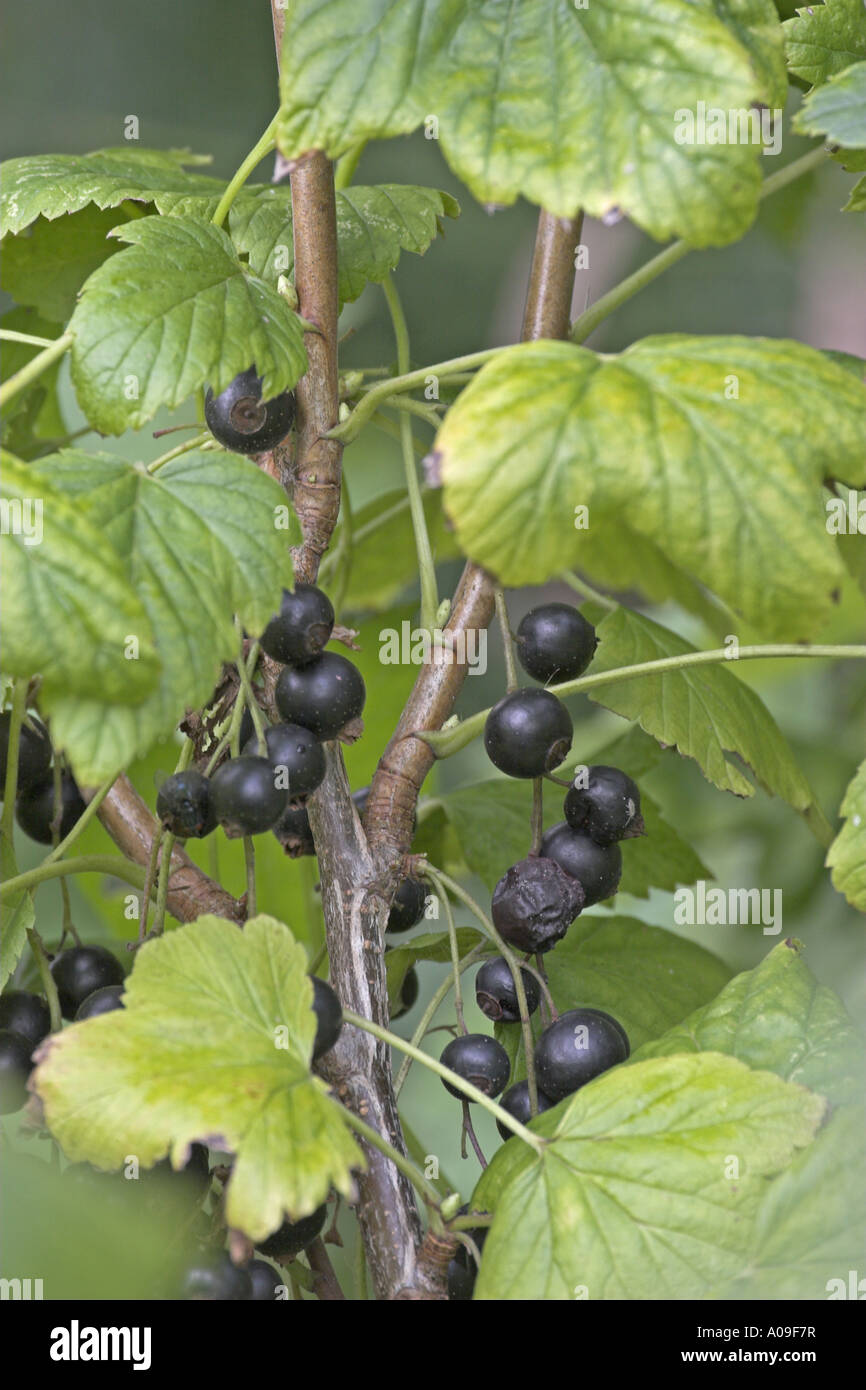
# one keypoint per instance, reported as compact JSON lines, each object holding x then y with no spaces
{"x":194,"y":1176}
{"x":329,"y":1017}
{"x":323,"y":696}
{"x":555,"y":642}
{"x":265,"y":1281}
{"x":597,"y":868}
{"x":245,"y":796}
{"x":34,"y":808}
{"x":15,"y":1067}
{"x":496,"y":996}
{"x":408,"y":994}
{"x":214,"y":1279}
{"x":528,"y":733}
{"x":477,"y":1058}
{"x":407,"y":906}
{"x":294,"y":832}
{"x":606,"y":808}
{"x":462,"y":1268}
{"x":27,"y":1014}
{"x":297,"y":753}
{"x":579,"y":1046}
{"x":241,"y":421}
{"x":34,"y":752}
{"x":81,"y":970}
{"x":184,"y":806}
{"x":535,"y":903}
{"x":101,"y":1001}
{"x":516,"y":1102}
{"x":294,"y":1236}
{"x":302,"y":628}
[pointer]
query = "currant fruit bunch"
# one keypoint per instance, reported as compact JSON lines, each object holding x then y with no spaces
{"x":240,"y":420}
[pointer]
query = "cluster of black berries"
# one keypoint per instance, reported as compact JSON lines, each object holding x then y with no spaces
{"x":317,"y":694}
{"x":240,"y":420}
{"x":215,"y":1278}
{"x":34,"y":802}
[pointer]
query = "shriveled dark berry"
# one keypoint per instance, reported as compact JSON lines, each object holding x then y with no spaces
{"x":302,"y":628}
{"x":528,"y":733}
{"x":184,"y":805}
{"x":604,"y":804}
{"x":596,"y":867}
{"x":534,"y":904}
{"x":496,"y":996}
{"x":555,"y":642}
{"x":296,"y":754}
{"x":516,"y":1102}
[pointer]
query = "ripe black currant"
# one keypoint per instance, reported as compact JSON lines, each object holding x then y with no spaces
{"x":101,"y":1001}
{"x":15,"y":1067}
{"x":329,"y":1017}
{"x":534,"y":904}
{"x":606,"y":807}
{"x":516,"y":1102}
{"x":477,"y":1058}
{"x":294,"y":1236}
{"x":34,"y":752}
{"x":407,"y":906}
{"x":597,"y":868}
{"x":528,"y":733}
{"x":245,"y":796}
{"x":81,"y":970}
{"x":34,"y":808}
{"x":302,"y":628}
{"x":579,"y":1046}
{"x":555,"y":642}
{"x":184,"y":806}
{"x":322,"y":696}
{"x":297,"y":753}
{"x":462,"y":1268}
{"x":408,"y":994}
{"x":27,"y":1014}
{"x":495,"y":994}
{"x":265,"y":1281}
{"x":293,"y":830}
{"x":214,"y":1279}
{"x":241,"y":421}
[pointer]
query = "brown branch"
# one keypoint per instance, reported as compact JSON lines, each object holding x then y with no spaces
{"x":326,"y":1284}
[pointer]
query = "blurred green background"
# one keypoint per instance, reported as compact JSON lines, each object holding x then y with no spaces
{"x":203,"y":75}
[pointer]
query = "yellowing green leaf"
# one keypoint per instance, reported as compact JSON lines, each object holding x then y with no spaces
{"x":847,"y":854}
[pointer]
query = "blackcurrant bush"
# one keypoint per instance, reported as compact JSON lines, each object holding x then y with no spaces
{"x":302,"y":628}
{"x":296,"y":753}
{"x":329,"y":1017}
{"x":34,"y":752}
{"x":407,"y":906}
{"x":15,"y":1067}
{"x":241,"y":421}
{"x":555,"y":642}
{"x":27,"y":1014}
{"x":34,"y":808}
{"x":579,"y":1046}
{"x":214,"y":1279}
{"x":265,"y":1281}
{"x":184,"y":806}
{"x":294,"y":1236}
{"x":101,"y":1001}
{"x":293,"y":830}
{"x":477,"y":1058}
{"x":597,"y":868}
{"x":495,"y":994}
{"x":462,"y":1268}
{"x":323,"y":696}
{"x":516,"y":1102}
{"x":534,"y":904}
{"x":408,"y":994}
{"x":606,"y":808}
{"x":81,"y":970}
{"x":528,"y":733}
{"x":245,"y":796}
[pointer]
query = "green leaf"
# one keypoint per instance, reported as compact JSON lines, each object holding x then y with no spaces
{"x":646,"y":977}
{"x":837,"y":110}
{"x":631,"y":1199}
{"x":704,"y":711}
{"x":724,"y":441}
{"x":810,"y":1228}
{"x":213,"y":1045}
{"x":847,"y":854}
{"x":46,"y":265}
{"x":567,"y":107}
{"x":17,"y":915}
{"x":49,"y":185}
{"x":199,"y":541}
{"x":621,"y":559}
{"x":777,"y":1018}
{"x":68,"y":605}
{"x":384,"y":557}
{"x":374,"y":225}
{"x":756,"y":24}
{"x":174,"y":311}
{"x":823,"y":40}
{"x":857,"y":200}
{"x":434,"y":946}
{"x":34,"y":414}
